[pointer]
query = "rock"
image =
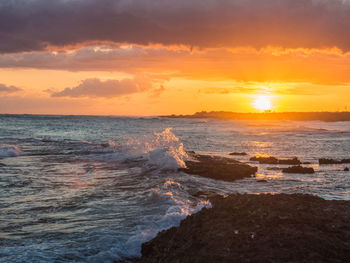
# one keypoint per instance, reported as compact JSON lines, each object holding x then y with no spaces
{"x":274,"y":160}
{"x":346,"y":169}
{"x":219,"y":168}
{"x":294,"y":161}
{"x":332,"y":161}
{"x":265,"y":160}
{"x":306,"y":163}
{"x":274,"y":168}
{"x":261,"y":181}
{"x":2,"y":165}
{"x":238,"y":153}
{"x":328,"y":161}
{"x":258,"y":228}
{"x":298,"y":170}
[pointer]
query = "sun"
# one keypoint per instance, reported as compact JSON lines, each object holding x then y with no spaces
{"x":262,"y":103}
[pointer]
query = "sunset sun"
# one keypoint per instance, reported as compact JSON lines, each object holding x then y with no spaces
{"x":262,"y":103}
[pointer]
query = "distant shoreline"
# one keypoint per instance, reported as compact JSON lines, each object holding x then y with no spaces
{"x":291,"y":116}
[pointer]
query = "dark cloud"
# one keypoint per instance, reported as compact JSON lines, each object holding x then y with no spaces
{"x":27,"y":25}
{"x":94,"y":88}
{"x":8,"y":89}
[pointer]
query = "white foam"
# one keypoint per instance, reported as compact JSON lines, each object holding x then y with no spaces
{"x":163,"y":149}
{"x":171,"y":194}
{"x":7,"y":150}
{"x":174,"y":215}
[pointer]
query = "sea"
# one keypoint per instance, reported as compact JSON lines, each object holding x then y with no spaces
{"x":93,"y":189}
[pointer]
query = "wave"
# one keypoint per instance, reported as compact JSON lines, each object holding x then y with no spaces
{"x":170,"y":194}
{"x":7,"y":150}
{"x":162,"y":150}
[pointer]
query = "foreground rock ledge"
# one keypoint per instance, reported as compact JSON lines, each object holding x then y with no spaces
{"x":258,"y":228}
{"x":219,"y":168}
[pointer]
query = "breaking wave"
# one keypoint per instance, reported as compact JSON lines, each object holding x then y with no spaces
{"x":163,"y":150}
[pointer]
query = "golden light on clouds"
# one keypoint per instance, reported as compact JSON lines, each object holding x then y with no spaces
{"x":145,"y":63}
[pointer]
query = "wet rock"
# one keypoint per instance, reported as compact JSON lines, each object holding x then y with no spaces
{"x":274,"y":168}
{"x":332,"y":161}
{"x":261,"y":181}
{"x":219,"y":168}
{"x":2,"y":165}
{"x":265,"y":160}
{"x":293,"y":161}
{"x":346,"y":169}
{"x":306,"y":163}
{"x":238,"y":153}
{"x":274,"y":160}
{"x":258,"y":228}
{"x":298,"y":170}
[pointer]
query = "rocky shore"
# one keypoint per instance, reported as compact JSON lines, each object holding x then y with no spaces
{"x":258,"y":228}
{"x":216,"y":167}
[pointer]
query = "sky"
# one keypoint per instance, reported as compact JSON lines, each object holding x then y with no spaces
{"x":158,"y":57}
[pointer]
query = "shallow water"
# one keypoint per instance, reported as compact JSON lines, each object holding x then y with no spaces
{"x":93,"y":189}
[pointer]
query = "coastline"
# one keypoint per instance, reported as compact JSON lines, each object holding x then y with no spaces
{"x":257,"y":228}
{"x":291,"y":116}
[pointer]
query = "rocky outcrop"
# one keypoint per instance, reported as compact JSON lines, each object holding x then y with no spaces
{"x":274,"y":160}
{"x":219,"y":168}
{"x":258,"y":228}
{"x":298,"y":170}
{"x":265,"y":160}
{"x":332,"y":161}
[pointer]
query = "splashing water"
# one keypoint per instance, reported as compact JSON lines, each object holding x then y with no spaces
{"x":162,"y":149}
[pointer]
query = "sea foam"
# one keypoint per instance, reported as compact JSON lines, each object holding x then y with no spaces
{"x":163,"y":150}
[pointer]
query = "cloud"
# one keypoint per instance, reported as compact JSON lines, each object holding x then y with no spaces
{"x":156,"y":93}
{"x":159,"y":63}
{"x":39,"y":24}
{"x":95,"y":88}
{"x":225,"y":91}
{"x":8,"y":89}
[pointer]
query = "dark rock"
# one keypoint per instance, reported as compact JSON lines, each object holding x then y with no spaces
{"x":261,"y":181}
{"x":346,"y":169}
{"x":238,"y":153}
{"x":306,"y":163}
{"x":274,"y":160}
{"x":265,"y":160}
{"x":294,"y":161}
{"x":332,"y":161}
{"x":328,"y":161}
{"x":219,"y":168}
{"x":274,"y":168}
{"x":258,"y":228}
{"x":298,"y":170}
{"x":2,"y":165}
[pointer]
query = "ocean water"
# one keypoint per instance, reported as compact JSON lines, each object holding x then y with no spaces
{"x":93,"y":189}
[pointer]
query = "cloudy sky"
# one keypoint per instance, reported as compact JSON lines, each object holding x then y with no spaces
{"x":151,"y":57}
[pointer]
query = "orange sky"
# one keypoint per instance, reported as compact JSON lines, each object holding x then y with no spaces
{"x":139,"y":68}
